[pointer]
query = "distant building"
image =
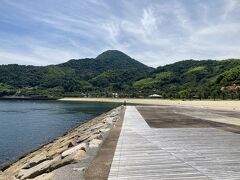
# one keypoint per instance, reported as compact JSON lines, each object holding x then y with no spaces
{"x":155,"y":96}
{"x":233,"y":87}
{"x":115,"y":95}
{"x":196,"y":97}
{"x":83,"y":95}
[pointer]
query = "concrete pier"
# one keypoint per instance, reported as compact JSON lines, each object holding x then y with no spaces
{"x":200,"y":151}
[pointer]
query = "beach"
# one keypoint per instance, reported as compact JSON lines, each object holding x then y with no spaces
{"x":218,"y":104}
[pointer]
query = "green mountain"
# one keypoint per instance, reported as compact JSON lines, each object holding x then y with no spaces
{"x":114,"y":71}
{"x":191,"y":78}
{"x":110,"y":71}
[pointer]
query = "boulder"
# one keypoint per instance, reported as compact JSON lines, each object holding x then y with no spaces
{"x":105,"y":130}
{"x":109,"y":120}
{"x":46,"y":176}
{"x":114,"y":113}
{"x":71,"y":144}
{"x":36,"y":160}
{"x":57,"y":150}
{"x":7,"y":177}
{"x":97,"y":126}
{"x":115,"y":119}
{"x":74,"y":149}
{"x":95,"y":136}
{"x":95,"y":143}
{"x":77,"y":156}
{"x":83,"y":169}
{"x":82,"y":138}
{"x":34,"y":171}
{"x":50,"y":165}
{"x":70,"y":159}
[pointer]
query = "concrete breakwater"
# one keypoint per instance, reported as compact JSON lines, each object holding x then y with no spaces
{"x":79,"y":146}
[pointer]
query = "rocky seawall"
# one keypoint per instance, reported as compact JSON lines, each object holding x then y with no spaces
{"x":79,"y":146}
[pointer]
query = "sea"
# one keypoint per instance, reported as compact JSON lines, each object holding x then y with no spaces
{"x":27,"y":125}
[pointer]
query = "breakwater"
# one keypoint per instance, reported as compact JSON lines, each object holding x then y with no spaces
{"x":79,"y":145}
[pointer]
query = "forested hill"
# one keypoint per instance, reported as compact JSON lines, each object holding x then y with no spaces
{"x":115,"y":72}
{"x":106,"y":64}
{"x":191,"y":78}
{"x":110,"y":71}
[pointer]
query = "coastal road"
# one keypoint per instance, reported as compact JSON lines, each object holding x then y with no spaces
{"x":168,"y":142}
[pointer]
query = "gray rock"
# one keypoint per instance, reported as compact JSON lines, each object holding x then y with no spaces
{"x":70,"y":159}
{"x":70,"y":144}
{"x":109,"y":120}
{"x":97,"y":126}
{"x":36,"y":160}
{"x":95,"y":143}
{"x":34,"y":171}
{"x":74,"y":149}
{"x":95,"y":136}
{"x":46,"y":176}
{"x":115,"y":119}
{"x":105,"y":130}
{"x":82,"y":138}
{"x":114,"y":113}
{"x":50,"y":165}
{"x":83,"y":169}
{"x":8,"y":177}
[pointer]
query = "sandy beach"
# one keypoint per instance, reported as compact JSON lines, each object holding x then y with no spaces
{"x":218,"y":104}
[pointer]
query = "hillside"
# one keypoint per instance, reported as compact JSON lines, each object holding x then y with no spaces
{"x":110,"y":71}
{"x":185,"y":79}
{"x":114,"y":71}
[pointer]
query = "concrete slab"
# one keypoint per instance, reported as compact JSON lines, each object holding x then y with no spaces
{"x":100,"y":166}
{"x":174,"y":153}
{"x":183,"y":117}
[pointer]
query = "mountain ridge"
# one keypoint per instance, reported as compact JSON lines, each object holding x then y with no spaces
{"x":115,"y":71}
{"x":74,"y":75}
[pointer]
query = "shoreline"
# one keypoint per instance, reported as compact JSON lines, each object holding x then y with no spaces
{"x":208,"y":104}
{"x":28,"y":98}
{"x":4,"y":167}
{"x":80,"y":143}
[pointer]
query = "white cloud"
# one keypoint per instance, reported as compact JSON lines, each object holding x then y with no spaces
{"x":149,"y":21}
{"x":154,"y":32}
{"x":230,"y":6}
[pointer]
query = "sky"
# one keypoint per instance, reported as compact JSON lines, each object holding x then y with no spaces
{"x":154,"y":32}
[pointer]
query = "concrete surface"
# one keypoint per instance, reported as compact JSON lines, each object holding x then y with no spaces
{"x":187,"y":146}
{"x":185,"y":117}
{"x":101,"y":164}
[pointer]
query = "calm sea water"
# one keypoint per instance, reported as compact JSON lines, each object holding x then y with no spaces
{"x":26,"y":125}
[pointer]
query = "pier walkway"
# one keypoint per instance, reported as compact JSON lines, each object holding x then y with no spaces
{"x":147,"y":151}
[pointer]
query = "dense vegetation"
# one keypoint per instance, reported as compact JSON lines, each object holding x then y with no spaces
{"x":111,"y":71}
{"x":114,"y":71}
{"x":190,"y":78}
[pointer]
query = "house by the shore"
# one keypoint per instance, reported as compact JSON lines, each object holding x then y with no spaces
{"x":233,"y":87}
{"x":155,"y":96}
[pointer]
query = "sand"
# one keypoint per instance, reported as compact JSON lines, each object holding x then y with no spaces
{"x":218,"y":104}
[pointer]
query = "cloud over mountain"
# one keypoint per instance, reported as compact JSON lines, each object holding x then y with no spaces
{"x":156,"y":32}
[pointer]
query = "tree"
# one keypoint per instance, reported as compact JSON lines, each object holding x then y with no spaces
{"x":214,"y":95}
{"x":238,"y":92}
{"x":183,"y":94}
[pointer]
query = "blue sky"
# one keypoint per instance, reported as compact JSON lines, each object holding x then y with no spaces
{"x":155,"y":32}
